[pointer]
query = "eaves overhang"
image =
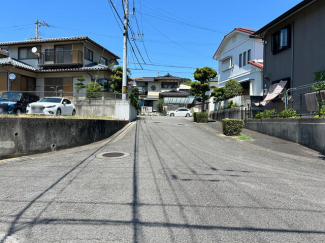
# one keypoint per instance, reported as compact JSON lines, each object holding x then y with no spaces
{"x":57,"y":40}
{"x":261,"y":32}
{"x":230,"y":34}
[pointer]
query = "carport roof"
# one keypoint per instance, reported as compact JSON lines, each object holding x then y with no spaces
{"x":170,"y":100}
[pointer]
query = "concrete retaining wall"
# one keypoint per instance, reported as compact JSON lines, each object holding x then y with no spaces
{"x":118,"y":109}
{"x":23,"y":136}
{"x":309,"y":132}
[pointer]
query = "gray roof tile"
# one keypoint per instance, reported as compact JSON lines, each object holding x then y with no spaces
{"x":20,"y":64}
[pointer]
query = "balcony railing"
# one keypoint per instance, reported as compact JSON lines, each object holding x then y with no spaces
{"x":73,"y":58}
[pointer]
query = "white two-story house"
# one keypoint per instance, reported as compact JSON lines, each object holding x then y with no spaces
{"x":240,"y":57}
{"x":44,"y":66}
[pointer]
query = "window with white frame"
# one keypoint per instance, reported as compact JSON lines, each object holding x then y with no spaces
{"x":240,"y":60}
{"x":226,"y":63}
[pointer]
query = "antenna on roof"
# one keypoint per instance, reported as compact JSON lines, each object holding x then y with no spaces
{"x":39,"y":24}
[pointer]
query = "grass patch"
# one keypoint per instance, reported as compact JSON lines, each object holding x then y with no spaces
{"x":244,"y":137}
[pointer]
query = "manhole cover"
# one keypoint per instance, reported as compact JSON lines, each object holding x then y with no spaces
{"x":180,"y":124}
{"x":113,"y":155}
{"x":110,"y":155}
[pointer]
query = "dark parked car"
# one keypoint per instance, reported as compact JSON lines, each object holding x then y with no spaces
{"x":16,"y":102}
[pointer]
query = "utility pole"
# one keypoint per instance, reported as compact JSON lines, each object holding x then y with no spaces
{"x":126,"y":22}
{"x":39,"y":24}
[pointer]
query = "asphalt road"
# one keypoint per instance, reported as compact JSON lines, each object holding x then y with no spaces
{"x":182,"y":182}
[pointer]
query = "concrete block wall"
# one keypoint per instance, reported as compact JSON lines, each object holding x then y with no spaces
{"x":309,"y":132}
{"x":117,"y":109}
{"x":235,"y":113}
{"x":24,"y":136}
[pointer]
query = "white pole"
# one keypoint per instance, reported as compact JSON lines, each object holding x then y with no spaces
{"x":124,"y":80}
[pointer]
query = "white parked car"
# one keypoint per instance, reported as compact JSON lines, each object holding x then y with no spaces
{"x":180,"y":112}
{"x":52,"y":106}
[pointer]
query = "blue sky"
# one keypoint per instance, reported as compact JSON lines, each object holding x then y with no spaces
{"x":178,"y":36}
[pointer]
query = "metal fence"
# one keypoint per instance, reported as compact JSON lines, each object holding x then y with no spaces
{"x":310,"y":104}
{"x":76,"y":95}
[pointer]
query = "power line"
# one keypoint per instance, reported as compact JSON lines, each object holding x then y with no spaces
{"x":16,"y":26}
{"x":174,"y":20}
{"x":171,"y":39}
{"x":123,"y":25}
{"x":171,"y":66}
{"x":150,"y":70}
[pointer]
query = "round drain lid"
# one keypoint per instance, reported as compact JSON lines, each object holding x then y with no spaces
{"x":110,"y":155}
{"x":113,"y":155}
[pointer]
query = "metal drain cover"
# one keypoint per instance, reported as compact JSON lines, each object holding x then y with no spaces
{"x":180,"y":124}
{"x":113,"y":155}
{"x":110,"y":155}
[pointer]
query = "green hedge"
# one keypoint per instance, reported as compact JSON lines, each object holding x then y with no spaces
{"x":194,"y":116}
{"x":201,"y":117}
{"x":232,"y":127}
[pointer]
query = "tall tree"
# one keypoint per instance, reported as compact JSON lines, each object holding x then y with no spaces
{"x":117,"y":79}
{"x":186,"y":81}
{"x":199,"y":89}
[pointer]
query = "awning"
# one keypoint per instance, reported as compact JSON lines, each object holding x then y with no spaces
{"x":169,"y":100}
{"x":274,"y":91}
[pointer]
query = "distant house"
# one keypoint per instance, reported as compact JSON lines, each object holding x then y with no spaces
{"x":46,"y":65}
{"x":3,"y":53}
{"x":294,"y":46}
{"x":165,"y":87}
{"x":240,"y":57}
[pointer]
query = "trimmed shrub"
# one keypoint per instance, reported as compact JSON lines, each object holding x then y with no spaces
{"x":322,"y":112}
{"x":266,"y":114}
{"x":194,"y":116}
{"x":232,"y":127}
{"x":202,"y":117}
{"x":230,"y":103}
{"x":234,"y":105}
{"x":290,"y":113}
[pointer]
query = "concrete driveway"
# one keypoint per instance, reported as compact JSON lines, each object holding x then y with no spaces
{"x":182,"y":182}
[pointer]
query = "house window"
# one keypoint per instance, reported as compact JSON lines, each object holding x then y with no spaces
{"x":25,"y":53}
{"x":240,"y":60}
{"x":103,"y":61}
{"x":142,"y":88}
{"x":249,"y":55}
{"x":226,"y":64}
{"x":49,"y":55}
{"x":168,"y":85}
{"x":105,"y":84}
{"x":244,"y":59}
{"x":281,"y":40}
{"x":89,"y":55}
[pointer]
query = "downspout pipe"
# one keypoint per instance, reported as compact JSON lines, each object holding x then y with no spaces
{"x":91,"y":77}
{"x":292,"y":57}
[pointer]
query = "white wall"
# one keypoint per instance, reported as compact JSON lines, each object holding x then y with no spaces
{"x":236,"y":44}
